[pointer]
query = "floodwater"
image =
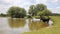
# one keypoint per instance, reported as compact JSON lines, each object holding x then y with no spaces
{"x":18,"y":25}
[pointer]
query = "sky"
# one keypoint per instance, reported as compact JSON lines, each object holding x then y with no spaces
{"x":52,"y":5}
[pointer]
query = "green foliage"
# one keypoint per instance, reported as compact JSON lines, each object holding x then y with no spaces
{"x":3,"y":15}
{"x":16,"y":12}
{"x":37,"y":17}
{"x":40,"y":13}
{"x":47,"y":12}
{"x":55,"y":14}
{"x":39,"y":9}
{"x":44,"y":12}
{"x":31,"y":9}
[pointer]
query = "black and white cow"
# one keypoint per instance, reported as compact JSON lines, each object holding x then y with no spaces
{"x":48,"y":20}
{"x":44,"y":19}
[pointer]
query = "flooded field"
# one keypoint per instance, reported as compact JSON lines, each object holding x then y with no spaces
{"x":18,"y":25}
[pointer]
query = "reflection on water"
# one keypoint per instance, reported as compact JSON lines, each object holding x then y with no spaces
{"x":37,"y":25}
{"x":16,"y":22}
{"x":18,"y":25}
{"x":13,"y":26}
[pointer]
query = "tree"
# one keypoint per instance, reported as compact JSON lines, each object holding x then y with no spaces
{"x":3,"y":15}
{"x":40,"y":7}
{"x":16,"y":12}
{"x":34,"y":10}
{"x":44,"y":12}
{"x":31,"y":10}
{"x":47,"y":12}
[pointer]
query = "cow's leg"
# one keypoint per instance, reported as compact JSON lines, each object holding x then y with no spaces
{"x":47,"y":21}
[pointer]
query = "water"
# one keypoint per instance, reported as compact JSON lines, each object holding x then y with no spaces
{"x":7,"y":26}
{"x":17,"y":25}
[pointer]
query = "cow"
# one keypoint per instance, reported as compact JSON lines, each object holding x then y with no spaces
{"x":44,"y":19}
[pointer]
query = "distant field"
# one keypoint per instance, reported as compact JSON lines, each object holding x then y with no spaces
{"x":55,"y":29}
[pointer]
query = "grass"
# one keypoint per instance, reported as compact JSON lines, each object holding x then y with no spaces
{"x":55,"y":29}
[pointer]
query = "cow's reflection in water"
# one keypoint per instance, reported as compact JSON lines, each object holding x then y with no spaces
{"x":50,"y":23}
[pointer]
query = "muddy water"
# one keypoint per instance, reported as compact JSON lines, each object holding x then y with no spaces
{"x":18,"y":25}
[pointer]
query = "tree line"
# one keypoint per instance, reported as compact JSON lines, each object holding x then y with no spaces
{"x":34,"y":10}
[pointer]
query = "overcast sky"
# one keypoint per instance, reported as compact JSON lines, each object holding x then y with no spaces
{"x":53,"y":5}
